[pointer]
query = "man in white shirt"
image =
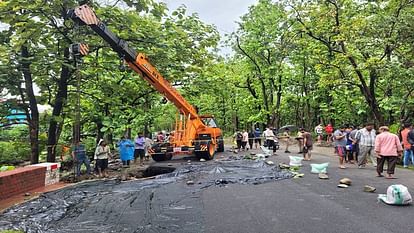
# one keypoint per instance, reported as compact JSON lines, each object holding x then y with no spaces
{"x":148,"y":144}
{"x":245,"y":139}
{"x":270,"y":139}
{"x":319,"y":132}
{"x":365,"y":137}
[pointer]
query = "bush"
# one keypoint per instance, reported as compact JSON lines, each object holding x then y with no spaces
{"x":14,"y":144}
{"x":14,"y":152}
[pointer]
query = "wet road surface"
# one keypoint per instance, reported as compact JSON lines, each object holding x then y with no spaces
{"x":229,"y":195}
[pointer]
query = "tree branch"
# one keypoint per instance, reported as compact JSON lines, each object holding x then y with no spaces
{"x":247,"y":55}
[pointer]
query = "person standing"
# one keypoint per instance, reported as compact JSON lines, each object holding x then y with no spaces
{"x":388,"y":148}
{"x":102,"y":154}
{"x":126,"y":150}
{"x":148,"y":144}
{"x":79,"y":157}
{"x":251,"y":139}
{"x":139,"y":152}
{"x":349,"y":158}
{"x":257,"y":137}
{"x":329,"y":130}
{"x":299,"y":137}
{"x":366,"y":139}
{"x":354,"y":143}
{"x":307,"y":144}
{"x":408,"y":151}
{"x":270,"y":139}
{"x":340,"y":145}
{"x":245,"y":139}
{"x":286,"y":137}
{"x":238,"y":136}
{"x":319,"y":133}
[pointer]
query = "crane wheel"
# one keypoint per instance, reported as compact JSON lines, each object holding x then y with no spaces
{"x":208,"y":154}
{"x":161,"y":157}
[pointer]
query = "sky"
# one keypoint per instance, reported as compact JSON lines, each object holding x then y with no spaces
{"x":222,"y":13}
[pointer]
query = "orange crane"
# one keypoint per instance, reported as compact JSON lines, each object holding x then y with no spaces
{"x":193,"y":132}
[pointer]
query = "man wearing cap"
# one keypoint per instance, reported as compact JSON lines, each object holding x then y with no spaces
{"x":365,"y":137}
{"x":388,"y":148}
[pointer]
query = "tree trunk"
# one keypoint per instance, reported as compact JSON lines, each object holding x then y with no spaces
{"x":367,"y":91}
{"x":265,"y":101}
{"x":33,"y":117}
{"x":223,"y":111}
{"x":109,"y":134}
{"x":99,"y":134}
{"x":148,"y":120}
{"x":278,"y":101}
{"x":128,"y":132}
{"x":61,"y":96}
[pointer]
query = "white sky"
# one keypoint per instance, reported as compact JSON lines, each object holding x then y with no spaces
{"x":222,"y":13}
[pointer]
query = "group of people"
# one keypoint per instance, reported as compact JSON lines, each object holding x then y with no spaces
{"x":129,"y":150}
{"x":244,"y":138}
{"x":134,"y":150}
{"x":327,"y":131}
{"x":101,"y":156}
{"x":304,"y":141}
{"x":356,"y":145}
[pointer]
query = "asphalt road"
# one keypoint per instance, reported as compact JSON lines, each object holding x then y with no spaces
{"x":309,"y":204}
{"x":246,"y":199}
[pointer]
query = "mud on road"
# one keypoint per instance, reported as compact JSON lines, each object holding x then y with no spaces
{"x":168,"y":203}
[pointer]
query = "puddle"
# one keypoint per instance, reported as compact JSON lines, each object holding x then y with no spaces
{"x":163,"y":204}
{"x":157,"y":170}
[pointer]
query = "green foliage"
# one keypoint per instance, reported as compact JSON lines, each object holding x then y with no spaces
{"x":14,"y":144}
{"x":294,"y":62}
{"x":338,"y":61}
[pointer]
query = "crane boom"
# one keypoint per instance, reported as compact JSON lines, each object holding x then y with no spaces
{"x":193,"y":133}
{"x":84,"y":15}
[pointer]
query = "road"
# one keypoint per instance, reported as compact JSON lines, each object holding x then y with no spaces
{"x":309,"y":204}
{"x":229,"y":195}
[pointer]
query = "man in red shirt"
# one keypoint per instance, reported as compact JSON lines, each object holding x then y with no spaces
{"x":408,"y":152}
{"x":329,"y":131}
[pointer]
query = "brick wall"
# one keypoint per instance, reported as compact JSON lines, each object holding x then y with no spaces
{"x":21,"y":180}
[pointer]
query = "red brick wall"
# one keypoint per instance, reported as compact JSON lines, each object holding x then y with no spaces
{"x":21,"y":180}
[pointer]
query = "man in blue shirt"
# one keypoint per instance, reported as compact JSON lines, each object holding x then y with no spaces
{"x":257,"y":139}
{"x":79,"y":157}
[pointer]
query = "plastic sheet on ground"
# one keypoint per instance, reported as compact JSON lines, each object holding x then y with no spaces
{"x":164,"y":204}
